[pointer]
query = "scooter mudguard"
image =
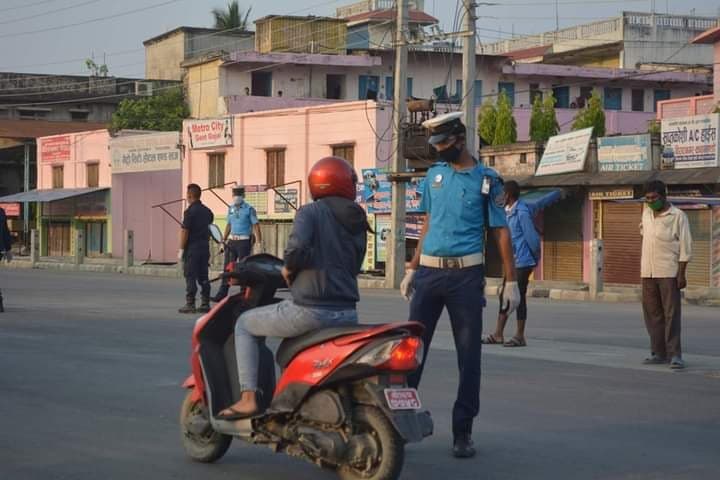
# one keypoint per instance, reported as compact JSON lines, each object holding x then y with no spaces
{"x":190,"y":383}
{"x":411,"y":425}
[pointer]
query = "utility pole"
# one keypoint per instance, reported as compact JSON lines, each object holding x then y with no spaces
{"x":469,"y":75}
{"x":395,"y":259}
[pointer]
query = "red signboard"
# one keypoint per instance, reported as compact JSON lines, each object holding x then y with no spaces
{"x":55,"y":149}
{"x":11,"y":209}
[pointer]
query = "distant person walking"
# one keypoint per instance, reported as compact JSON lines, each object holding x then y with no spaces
{"x":526,"y":250}
{"x":195,"y":251}
{"x":5,"y":246}
{"x":666,"y":251}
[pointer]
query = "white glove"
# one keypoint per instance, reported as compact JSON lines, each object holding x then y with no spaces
{"x":509,"y":297}
{"x":181,"y":252}
{"x":406,"y":286}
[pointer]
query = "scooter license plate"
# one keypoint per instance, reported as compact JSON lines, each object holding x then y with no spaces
{"x":402,"y":399}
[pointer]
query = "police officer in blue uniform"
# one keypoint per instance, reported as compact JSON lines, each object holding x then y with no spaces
{"x":5,"y":246}
{"x":461,"y":200}
{"x":242,"y":223}
{"x":195,"y":251}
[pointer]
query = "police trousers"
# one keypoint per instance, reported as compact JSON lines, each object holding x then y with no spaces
{"x":462,"y":292}
{"x":235,"y":250}
{"x":195,"y":269}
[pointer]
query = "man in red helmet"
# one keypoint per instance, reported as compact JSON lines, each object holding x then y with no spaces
{"x":327,"y":242}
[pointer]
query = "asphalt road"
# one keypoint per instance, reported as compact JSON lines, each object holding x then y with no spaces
{"x":91,"y":367}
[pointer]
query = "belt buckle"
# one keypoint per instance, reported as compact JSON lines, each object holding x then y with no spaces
{"x":452,"y":263}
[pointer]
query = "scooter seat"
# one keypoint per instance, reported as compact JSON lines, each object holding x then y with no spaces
{"x":294,"y":345}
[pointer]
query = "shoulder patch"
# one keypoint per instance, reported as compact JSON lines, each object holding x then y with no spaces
{"x":500,"y":200}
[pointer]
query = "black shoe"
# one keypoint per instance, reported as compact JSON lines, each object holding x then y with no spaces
{"x":219,"y":296}
{"x":203,"y":308}
{"x":188,"y":308}
{"x":463,"y":446}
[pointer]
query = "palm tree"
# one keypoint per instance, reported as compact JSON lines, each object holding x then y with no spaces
{"x":232,"y":17}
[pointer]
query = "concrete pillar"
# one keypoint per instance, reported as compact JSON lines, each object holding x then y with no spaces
{"x":34,"y":247}
{"x":129,"y":253}
{"x":79,"y":246}
{"x":597,"y":255}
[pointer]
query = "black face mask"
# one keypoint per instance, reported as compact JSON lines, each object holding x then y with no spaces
{"x":450,"y":155}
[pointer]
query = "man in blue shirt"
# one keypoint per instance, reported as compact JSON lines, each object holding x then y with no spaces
{"x":242,"y":223}
{"x":526,"y":250}
{"x":461,"y":199}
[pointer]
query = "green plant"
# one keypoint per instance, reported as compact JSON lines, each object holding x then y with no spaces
{"x":164,"y":112}
{"x":487,"y":119}
{"x":543,"y":121}
{"x":592,"y":115}
{"x":232,"y":17}
{"x":654,"y":127}
{"x":95,"y":69}
{"x":505,"y":126}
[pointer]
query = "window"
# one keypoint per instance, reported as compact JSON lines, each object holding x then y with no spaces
{"x":477,"y":93}
{"x":57,"y":176}
{"x":390,"y":88}
{"x":535,"y":92}
{"x":79,"y":116}
{"x":638,"y":100}
{"x":491,"y":161}
{"x":261,"y":83}
{"x":32,"y":114}
{"x":509,"y":89}
{"x":523,"y":158}
{"x":216,"y":167}
{"x":612,"y":98}
{"x":346,"y":151}
{"x":562,"y":97}
{"x":275,"y":167}
{"x":659,"y":96}
{"x":335,"y":87}
{"x":585,"y":94}
{"x":441,"y":94}
{"x":93,"y":174}
{"x":368,"y":87}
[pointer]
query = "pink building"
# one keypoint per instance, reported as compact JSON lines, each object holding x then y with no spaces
{"x":278,"y":148}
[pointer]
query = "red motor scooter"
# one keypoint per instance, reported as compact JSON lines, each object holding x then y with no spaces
{"x":342,"y":399}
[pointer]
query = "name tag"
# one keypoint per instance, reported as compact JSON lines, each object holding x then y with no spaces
{"x":485,"y":186}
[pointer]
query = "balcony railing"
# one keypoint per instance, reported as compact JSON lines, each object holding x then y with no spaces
{"x":372,"y":5}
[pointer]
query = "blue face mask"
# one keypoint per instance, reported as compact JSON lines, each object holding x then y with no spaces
{"x":450,"y":155}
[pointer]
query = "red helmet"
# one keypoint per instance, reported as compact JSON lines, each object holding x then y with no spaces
{"x":332,"y":177}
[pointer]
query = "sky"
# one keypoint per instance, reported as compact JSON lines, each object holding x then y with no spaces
{"x":56,"y":36}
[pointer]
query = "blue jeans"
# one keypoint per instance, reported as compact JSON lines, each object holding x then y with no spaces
{"x":462,"y":291}
{"x":284,"y":320}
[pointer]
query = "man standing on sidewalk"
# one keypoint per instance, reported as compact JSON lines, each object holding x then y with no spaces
{"x":5,"y":246}
{"x":461,"y":199}
{"x":242,"y":223}
{"x":195,"y":251}
{"x":666,"y":250}
{"x":526,"y":250}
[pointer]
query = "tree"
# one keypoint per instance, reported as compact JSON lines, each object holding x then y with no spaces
{"x":163,"y":112}
{"x":592,"y":115}
{"x":487,"y":118}
{"x":95,"y":69}
{"x":543,"y":121}
{"x":231,"y":18}
{"x":505,"y":126}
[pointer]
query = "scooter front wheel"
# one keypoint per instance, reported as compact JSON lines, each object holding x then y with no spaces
{"x":383,"y":449}
{"x":201,"y":442}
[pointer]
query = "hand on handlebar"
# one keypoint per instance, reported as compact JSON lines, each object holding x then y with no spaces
{"x":287,"y":275}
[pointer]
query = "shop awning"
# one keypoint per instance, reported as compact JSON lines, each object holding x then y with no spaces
{"x":709,"y":200}
{"x":50,"y":195}
{"x":688,"y":176}
{"x":541,"y":198}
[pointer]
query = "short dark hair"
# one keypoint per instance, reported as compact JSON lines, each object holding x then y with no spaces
{"x":512,"y":188}
{"x":656,"y":186}
{"x":194,"y":190}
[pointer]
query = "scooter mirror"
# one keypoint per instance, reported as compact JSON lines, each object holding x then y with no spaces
{"x":215,"y":233}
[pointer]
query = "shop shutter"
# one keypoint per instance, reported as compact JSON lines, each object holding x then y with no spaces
{"x":562,"y":242}
{"x":698,"y":270}
{"x":58,"y":240}
{"x":622,"y":242}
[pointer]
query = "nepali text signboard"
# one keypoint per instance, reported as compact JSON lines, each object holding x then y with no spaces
{"x":11,"y":209}
{"x":565,"y":153}
{"x":377,"y":192}
{"x":284,"y":205}
{"x":624,"y":154}
{"x":145,"y":152}
{"x":210,"y":133}
{"x":55,"y":149}
{"x":693,"y":140}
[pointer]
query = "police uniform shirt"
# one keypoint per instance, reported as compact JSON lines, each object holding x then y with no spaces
{"x":241,"y":219}
{"x":458,"y":208}
{"x":196,"y":221}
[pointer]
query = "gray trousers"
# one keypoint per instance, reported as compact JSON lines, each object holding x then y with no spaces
{"x":662,"y":311}
{"x":284,"y":320}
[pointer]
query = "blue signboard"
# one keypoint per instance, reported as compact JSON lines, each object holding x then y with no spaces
{"x":377,"y":192}
{"x":622,"y":154}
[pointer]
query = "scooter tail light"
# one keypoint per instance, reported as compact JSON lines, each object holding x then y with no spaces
{"x":401,"y":355}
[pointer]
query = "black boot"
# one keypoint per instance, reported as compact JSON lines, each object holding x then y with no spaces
{"x":204,"y":305}
{"x":189,"y":306}
{"x":463,"y":446}
{"x":2,"y":307}
{"x":222,"y":293}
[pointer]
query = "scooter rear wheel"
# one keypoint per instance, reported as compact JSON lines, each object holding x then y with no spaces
{"x":387,"y":453}
{"x":204,"y":446}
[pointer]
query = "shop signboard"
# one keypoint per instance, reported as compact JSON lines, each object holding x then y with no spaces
{"x":377,"y":192}
{"x":210,"y":132}
{"x":565,"y":153}
{"x":693,"y":140}
{"x":55,"y":149}
{"x":145,"y":152}
{"x":624,"y":153}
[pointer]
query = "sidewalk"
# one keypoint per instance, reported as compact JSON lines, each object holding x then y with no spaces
{"x":568,"y":291}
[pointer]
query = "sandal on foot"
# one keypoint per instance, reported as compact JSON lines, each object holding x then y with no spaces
{"x":490,"y":340}
{"x":235,"y":415}
{"x":515,"y":342}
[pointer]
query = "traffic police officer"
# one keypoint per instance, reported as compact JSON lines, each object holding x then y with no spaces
{"x":242,"y":221}
{"x":5,"y":245}
{"x":460,"y":199}
{"x":195,"y":251}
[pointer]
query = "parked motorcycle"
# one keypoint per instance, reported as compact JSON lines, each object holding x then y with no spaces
{"x":342,"y":400}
